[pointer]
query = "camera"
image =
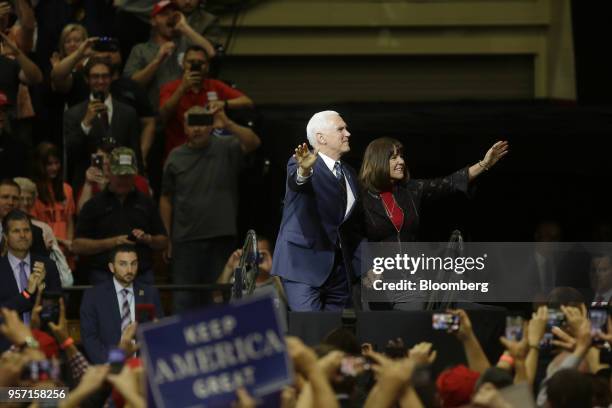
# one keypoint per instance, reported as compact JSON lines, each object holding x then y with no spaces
{"x":116,"y":359}
{"x":514,"y":328}
{"x":106,"y":44}
{"x":97,"y":160}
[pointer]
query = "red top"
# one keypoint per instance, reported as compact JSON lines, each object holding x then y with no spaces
{"x":175,"y":133}
{"x":393,"y":210}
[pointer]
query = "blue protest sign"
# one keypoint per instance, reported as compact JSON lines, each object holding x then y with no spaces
{"x":200,"y":358}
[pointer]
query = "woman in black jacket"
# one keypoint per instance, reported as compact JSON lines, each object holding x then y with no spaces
{"x":392,"y":200}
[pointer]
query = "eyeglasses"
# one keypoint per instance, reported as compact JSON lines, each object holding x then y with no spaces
{"x":99,"y":76}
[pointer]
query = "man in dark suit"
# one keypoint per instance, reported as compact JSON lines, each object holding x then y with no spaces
{"x":320,"y":231}
{"x":23,"y":272}
{"x":9,"y":200}
{"x":102,"y":117}
{"x":108,"y":308}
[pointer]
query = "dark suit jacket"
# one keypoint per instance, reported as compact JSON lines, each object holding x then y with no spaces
{"x":409,"y":195}
{"x":124,"y":128}
{"x":314,"y":226}
{"x":101,"y":318}
{"x":10,"y":296}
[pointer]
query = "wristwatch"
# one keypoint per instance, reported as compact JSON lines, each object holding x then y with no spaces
{"x":29,"y":342}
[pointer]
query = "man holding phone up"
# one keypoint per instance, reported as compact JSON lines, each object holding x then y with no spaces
{"x":199,"y":200}
{"x":109,"y":308}
{"x":194,"y":88}
{"x":120,"y":214}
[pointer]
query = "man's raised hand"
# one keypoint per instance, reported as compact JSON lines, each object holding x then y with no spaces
{"x":305,"y":158}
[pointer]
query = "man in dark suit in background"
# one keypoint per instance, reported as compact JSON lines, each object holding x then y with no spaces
{"x":9,"y":200}
{"x":108,"y":308}
{"x":23,"y":272}
{"x":101,"y":117}
{"x":320,"y":230}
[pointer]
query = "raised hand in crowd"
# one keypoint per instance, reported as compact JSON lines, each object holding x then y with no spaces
{"x":5,"y":8}
{"x":422,"y":354}
{"x":244,"y":399}
{"x":476,"y":358}
{"x":127,"y":383}
{"x":317,"y":391}
{"x":92,"y":381}
{"x":37,"y":308}
{"x":12,"y":364}
{"x":95,"y":175}
{"x":393,"y":382}
{"x":127,"y":342}
{"x":515,"y":356}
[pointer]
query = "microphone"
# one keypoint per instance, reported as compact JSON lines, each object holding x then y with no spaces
{"x":245,"y":274}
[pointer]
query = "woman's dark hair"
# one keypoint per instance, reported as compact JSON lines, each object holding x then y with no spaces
{"x":374,"y":174}
{"x":44,"y":152}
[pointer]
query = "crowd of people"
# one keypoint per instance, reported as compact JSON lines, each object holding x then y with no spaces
{"x":119,"y":148}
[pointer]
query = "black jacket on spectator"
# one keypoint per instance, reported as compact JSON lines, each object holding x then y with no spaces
{"x":124,"y":128}
{"x":13,"y":156}
{"x":9,"y":78}
{"x":104,"y":216}
{"x":101,"y":317}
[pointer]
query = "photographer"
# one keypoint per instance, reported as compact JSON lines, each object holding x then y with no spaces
{"x":119,"y":215}
{"x":199,"y":200}
{"x":176,"y":97}
{"x":155,"y":62}
{"x":101,"y":117}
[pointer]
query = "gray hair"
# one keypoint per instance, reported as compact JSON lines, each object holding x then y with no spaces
{"x":319,"y":120}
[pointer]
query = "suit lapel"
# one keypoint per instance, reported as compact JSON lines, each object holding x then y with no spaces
{"x":6,"y":266}
{"x":115,"y":314}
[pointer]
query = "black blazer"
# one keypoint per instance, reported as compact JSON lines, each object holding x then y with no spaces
{"x":125,"y":128}
{"x":101,"y":319}
{"x":10,"y":296}
{"x":408,"y":195}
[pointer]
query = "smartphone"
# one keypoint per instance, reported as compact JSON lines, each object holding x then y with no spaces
{"x":199,"y":119}
{"x":97,"y":160}
{"x":145,"y":312}
{"x":116,"y":359}
{"x":196,"y":66}
{"x":352,"y":366}
{"x":514,"y":328}
{"x":445,"y":321}
{"x":106,"y":44}
{"x":599,"y":322}
{"x":99,"y":96}
{"x":556,"y":318}
{"x":50,"y":309}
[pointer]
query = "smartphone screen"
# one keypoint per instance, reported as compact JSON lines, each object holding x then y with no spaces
{"x":116,"y":358}
{"x":199,"y":119}
{"x":514,"y":328}
{"x":599,"y":321}
{"x":445,"y":321}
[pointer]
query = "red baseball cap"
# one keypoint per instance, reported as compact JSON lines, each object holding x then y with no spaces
{"x":161,"y":6}
{"x":4,"y":99}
